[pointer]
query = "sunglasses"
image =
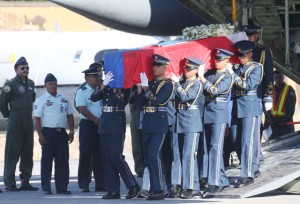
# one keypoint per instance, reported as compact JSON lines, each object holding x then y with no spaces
{"x":23,"y":68}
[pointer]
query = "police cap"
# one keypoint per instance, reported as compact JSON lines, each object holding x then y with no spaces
{"x":244,"y":47}
{"x":50,"y":78}
{"x":221,"y":54}
{"x":21,"y":61}
{"x":160,"y":60}
{"x":192,"y":63}
{"x":251,"y":29}
{"x":94,"y":69}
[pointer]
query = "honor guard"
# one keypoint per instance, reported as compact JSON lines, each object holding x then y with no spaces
{"x":246,"y":110}
{"x":112,"y":130}
{"x":262,"y":55}
{"x":90,"y":158}
{"x":187,"y":128}
{"x":154,"y":97}
{"x":16,"y":102}
{"x":217,"y":84}
{"x":53,"y":113}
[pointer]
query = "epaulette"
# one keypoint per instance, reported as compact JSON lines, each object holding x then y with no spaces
{"x":168,"y":80}
{"x":261,"y":46}
{"x":82,"y":86}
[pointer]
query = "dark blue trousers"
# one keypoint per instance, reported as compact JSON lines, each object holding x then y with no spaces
{"x":90,"y":155}
{"x":152,"y":144}
{"x":56,"y":148}
{"x":112,"y":146}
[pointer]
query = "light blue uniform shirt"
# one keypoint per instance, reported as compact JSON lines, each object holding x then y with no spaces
{"x":53,"y":110}
{"x":83,"y":98}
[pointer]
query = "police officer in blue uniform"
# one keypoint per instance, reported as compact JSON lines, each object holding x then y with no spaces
{"x":262,"y":55}
{"x":53,"y":114}
{"x":154,"y":98}
{"x":89,"y":139}
{"x":246,"y":110}
{"x":112,"y":130}
{"x":187,"y":128}
{"x":217,"y":84}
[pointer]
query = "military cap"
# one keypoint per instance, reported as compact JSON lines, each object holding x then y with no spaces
{"x":49,"y":78}
{"x":94,"y":69}
{"x":244,"y":47}
{"x":160,"y":60}
{"x":221,"y":54}
{"x":192,"y":63}
{"x":251,"y":29}
{"x":21,"y":61}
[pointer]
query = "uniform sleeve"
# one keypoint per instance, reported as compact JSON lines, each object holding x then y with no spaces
{"x":190,"y":94}
{"x":162,"y":97}
{"x":70,"y":109}
{"x":34,"y":93}
{"x":80,"y":98}
{"x":4,"y":99}
{"x":222,"y":87}
{"x":122,"y":97}
{"x":38,"y":108}
{"x":252,"y":79}
{"x":268,"y":78}
{"x":98,"y":95}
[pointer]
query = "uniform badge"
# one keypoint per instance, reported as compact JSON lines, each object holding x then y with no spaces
{"x":21,"y":89}
{"x":236,"y":66}
{"x":30,"y":88}
{"x":35,"y":107}
{"x":6,"y":89}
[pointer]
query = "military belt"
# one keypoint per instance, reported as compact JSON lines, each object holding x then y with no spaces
{"x":216,"y":99}
{"x":154,"y":109}
{"x":187,"y":107}
{"x":245,"y":93}
{"x":109,"y":109}
{"x":56,"y":129}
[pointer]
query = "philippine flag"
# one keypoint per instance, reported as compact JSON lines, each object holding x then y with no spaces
{"x":127,"y":65}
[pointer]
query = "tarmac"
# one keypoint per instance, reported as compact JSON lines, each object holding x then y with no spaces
{"x":273,"y":197}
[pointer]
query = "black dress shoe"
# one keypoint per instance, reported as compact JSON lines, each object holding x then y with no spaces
{"x":156,"y":195}
{"x":187,"y":194}
{"x":85,"y":189}
{"x":203,"y":183}
{"x":26,"y":186}
{"x":11,"y":189}
{"x":133,"y":191}
{"x":211,"y":190}
{"x":63,"y":192}
{"x":112,"y":195}
{"x":243,"y":182}
{"x":174,"y":192}
{"x":100,"y":189}
{"x":257,"y":174}
{"x":143,"y":194}
{"x":48,"y":192}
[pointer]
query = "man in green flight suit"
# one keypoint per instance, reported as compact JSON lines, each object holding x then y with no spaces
{"x":16,"y":101}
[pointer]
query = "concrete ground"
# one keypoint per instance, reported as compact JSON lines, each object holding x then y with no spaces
{"x":77,"y":196}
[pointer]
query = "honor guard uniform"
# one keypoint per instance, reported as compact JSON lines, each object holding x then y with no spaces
{"x":53,"y":114}
{"x":16,"y":102}
{"x":154,"y":99}
{"x":90,"y":158}
{"x":217,"y":84}
{"x":112,"y":130}
{"x":187,"y":128}
{"x":262,"y":55}
{"x":246,"y":111}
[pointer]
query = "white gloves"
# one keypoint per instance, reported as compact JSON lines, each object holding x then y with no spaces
{"x":268,"y":106}
{"x":175,"y":78}
{"x":144,"y":79}
{"x":201,"y":70}
{"x":229,"y":68}
{"x":108,"y":78}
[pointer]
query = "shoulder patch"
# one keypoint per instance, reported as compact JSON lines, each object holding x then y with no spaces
{"x":6,"y":88}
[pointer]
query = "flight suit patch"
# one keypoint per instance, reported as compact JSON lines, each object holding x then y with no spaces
{"x":6,"y":89}
{"x":21,"y":89}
